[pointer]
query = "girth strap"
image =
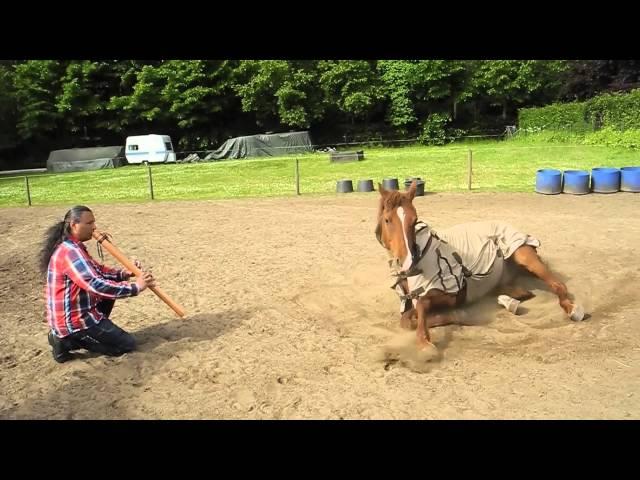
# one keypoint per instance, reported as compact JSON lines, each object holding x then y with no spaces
{"x":465,"y":271}
{"x":411,"y":295}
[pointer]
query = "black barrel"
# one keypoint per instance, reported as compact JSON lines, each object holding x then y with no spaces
{"x":390,"y":184}
{"x":419,"y":185}
{"x":344,"y":186}
{"x":365,"y":185}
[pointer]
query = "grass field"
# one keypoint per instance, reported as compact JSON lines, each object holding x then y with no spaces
{"x":497,"y":166}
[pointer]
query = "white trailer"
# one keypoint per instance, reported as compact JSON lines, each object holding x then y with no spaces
{"x":149,"y":148}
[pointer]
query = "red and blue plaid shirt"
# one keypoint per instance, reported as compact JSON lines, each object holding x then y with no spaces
{"x":75,"y":284}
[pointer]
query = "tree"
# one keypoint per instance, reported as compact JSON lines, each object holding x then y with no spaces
{"x":89,"y":92}
{"x":8,"y":106}
{"x":37,"y":86}
{"x":199,"y":93}
{"x":352,"y":86}
{"x":418,"y":88}
{"x":516,"y":82}
{"x":280,"y":92}
{"x":584,"y":79}
{"x":397,"y":78}
{"x":180,"y":96}
{"x":144,"y":100}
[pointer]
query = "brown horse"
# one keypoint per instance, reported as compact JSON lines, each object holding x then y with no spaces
{"x":448,"y":268}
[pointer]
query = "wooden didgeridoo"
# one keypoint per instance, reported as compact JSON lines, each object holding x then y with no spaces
{"x":102,"y":239}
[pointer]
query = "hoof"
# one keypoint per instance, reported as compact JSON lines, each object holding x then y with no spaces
{"x":425,"y":347}
{"x":577,"y":313}
{"x":509,"y":303}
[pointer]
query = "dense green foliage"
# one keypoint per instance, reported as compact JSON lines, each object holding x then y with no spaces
{"x":52,"y":104}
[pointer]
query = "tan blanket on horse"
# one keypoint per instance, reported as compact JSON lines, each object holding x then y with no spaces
{"x":471,"y":253}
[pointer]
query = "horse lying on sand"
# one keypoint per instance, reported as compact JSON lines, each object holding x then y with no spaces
{"x":456,"y":266}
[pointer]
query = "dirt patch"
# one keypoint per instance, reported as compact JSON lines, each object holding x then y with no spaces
{"x":290,"y":315}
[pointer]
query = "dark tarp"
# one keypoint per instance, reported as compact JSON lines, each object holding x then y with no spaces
{"x":80,"y":159}
{"x":274,"y":145}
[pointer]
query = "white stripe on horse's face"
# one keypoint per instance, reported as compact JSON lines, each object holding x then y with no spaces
{"x":406,"y":264}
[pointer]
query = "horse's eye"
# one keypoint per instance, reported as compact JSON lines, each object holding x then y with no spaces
{"x":386,"y":220}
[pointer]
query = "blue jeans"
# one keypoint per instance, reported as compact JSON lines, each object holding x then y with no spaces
{"x":105,"y":337}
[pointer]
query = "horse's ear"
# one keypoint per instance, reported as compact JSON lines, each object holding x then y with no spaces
{"x":411,"y":193}
{"x":381,"y":189}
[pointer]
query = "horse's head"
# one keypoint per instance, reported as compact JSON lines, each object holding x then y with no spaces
{"x":396,"y":220}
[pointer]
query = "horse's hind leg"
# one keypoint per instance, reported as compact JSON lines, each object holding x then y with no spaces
{"x":516,"y":292}
{"x":527,"y":257}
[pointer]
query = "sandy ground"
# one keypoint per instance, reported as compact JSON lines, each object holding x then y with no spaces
{"x":290,"y":315}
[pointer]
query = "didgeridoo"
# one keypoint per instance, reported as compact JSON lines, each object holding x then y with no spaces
{"x":102,"y":239}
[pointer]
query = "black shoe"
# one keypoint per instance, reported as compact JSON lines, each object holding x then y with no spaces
{"x":58,"y":349}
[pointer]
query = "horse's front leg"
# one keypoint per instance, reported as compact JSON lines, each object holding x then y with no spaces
{"x":425,"y":307}
{"x":422,"y":306}
{"x":408,"y":319}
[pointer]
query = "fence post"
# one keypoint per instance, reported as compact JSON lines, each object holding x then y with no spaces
{"x":470,"y":168}
{"x":26,"y":183}
{"x":150,"y":181}
{"x":297,"y":178}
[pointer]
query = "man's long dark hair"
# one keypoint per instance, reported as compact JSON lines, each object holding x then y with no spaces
{"x":58,"y":233}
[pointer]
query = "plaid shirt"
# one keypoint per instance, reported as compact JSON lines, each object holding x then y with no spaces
{"x":75,"y":284}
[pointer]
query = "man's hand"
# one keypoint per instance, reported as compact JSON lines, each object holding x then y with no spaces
{"x":145,"y":281}
{"x":127,"y":274}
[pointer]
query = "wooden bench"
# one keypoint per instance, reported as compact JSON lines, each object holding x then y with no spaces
{"x":339,"y":157}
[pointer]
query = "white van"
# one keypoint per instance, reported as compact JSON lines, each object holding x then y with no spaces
{"x":149,"y":148}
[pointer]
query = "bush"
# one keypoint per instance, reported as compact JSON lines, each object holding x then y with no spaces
{"x":549,"y":136}
{"x":434,"y":130}
{"x":557,"y":116}
{"x":611,"y":137}
{"x":620,"y":111}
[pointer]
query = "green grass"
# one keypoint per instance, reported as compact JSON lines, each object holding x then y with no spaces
{"x":497,"y":166}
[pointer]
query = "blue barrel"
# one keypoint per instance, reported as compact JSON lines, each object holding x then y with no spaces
{"x":630,"y":179}
{"x":605,"y":180}
{"x":576,"y":182}
{"x":549,"y":181}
